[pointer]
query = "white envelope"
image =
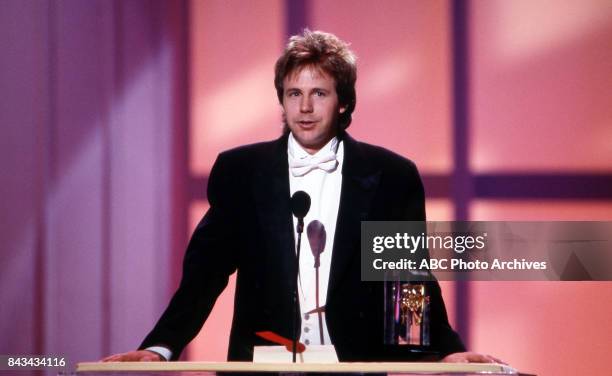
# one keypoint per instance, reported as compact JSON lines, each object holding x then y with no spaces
{"x":280,"y":354}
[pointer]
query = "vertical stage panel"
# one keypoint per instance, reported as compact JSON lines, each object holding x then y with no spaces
{"x":404,"y":74}
{"x":549,"y":328}
{"x":233,"y":102}
{"x":139,"y":145}
{"x":233,"y":48}
{"x":24,"y":110}
{"x":540,"y":104}
{"x":80,"y":91}
{"x":541,"y":85}
{"x":87,"y":126}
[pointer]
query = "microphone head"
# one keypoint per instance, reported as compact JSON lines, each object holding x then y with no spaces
{"x":300,"y":204}
{"x":316,"y":237}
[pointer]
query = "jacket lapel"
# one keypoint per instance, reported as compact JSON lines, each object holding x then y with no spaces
{"x":271,"y":192}
{"x":359,"y":183}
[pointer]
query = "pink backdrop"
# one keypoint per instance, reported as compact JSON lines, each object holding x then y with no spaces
{"x":113,"y":112}
{"x":540,"y":88}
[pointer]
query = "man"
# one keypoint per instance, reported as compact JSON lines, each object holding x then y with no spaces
{"x":250,"y":229}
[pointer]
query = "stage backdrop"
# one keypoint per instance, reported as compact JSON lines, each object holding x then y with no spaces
{"x":112,"y":113}
{"x":92,"y":112}
{"x":503,"y":105}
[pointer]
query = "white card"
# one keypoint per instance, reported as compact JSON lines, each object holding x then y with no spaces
{"x":280,"y":354}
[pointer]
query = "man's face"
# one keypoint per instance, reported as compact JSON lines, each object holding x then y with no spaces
{"x":311,"y":108}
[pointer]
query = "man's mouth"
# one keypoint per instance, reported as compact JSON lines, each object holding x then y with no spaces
{"x":306,"y":123}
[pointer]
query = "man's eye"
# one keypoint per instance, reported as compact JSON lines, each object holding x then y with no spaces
{"x":293,"y":94}
{"x":320,"y":94}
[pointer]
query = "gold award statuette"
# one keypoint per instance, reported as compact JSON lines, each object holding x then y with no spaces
{"x":413,"y":304}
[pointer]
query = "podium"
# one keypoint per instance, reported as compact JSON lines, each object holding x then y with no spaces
{"x":211,"y":368}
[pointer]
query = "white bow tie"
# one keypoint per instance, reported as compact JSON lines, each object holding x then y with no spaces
{"x":300,"y":167}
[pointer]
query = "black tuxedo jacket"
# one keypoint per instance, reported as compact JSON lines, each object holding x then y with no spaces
{"x":249,"y":229}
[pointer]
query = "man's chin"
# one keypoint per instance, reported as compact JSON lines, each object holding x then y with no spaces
{"x":309,"y":144}
{"x":310,"y":139}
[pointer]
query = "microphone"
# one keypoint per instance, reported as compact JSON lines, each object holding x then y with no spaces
{"x":300,"y":205}
{"x":317,"y":237}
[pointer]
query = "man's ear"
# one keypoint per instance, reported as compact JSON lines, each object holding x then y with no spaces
{"x":342,"y":109}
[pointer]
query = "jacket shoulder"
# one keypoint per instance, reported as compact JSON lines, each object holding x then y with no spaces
{"x":250,"y":152}
{"x":387,"y":160}
{"x":247,"y":159}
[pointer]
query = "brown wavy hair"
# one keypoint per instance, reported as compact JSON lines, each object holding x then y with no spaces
{"x":323,"y":51}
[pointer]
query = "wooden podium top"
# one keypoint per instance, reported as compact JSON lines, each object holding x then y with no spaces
{"x":397,"y":368}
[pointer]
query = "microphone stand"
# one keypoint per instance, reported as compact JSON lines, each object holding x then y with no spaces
{"x":319,"y":314}
{"x":296,"y":307}
{"x":317,"y":237}
{"x":300,"y":204}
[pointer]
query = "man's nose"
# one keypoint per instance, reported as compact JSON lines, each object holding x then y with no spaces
{"x":306,"y":104}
